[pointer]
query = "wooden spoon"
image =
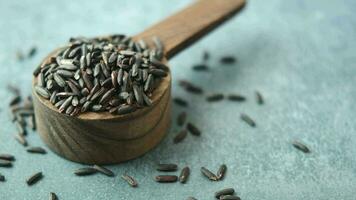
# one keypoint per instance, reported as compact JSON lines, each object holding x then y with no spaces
{"x":103,"y":138}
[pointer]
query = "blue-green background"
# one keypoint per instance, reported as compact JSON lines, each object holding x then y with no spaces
{"x":301,"y":55}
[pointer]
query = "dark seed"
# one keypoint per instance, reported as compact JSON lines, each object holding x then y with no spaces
{"x":127,"y":52}
{"x":183,"y":177}
{"x":65,"y":73}
{"x":52,"y":196}
{"x":2,"y":178}
{"x":68,"y":66}
{"x":159,"y":64}
{"x":193,"y":129}
{"x":59,"y":80}
{"x":88,"y":60}
{"x":229,"y":197}
{"x":42,"y":92}
{"x":96,"y":108}
{"x":98,"y":94}
{"x":226,"y":191}
{"x":114,"y":75}
{"x":81,"y":101}
{"x":180,"y":101}
{"x":66,"y":53}
{"x":166,"y":178}
{"x":124,"y":95}
{"x":112,"y":57}
{"x":146,"y":99}
{"x":144,"y":74}
{"x":75,"y":101}
{"x":157,"y":72}
{"x":107,"y":83}
{"x":300,"y":146}
{"x":248,"y":120}
{"x":167,"y":167}
{"x":194,"y":89}
{"x":221,"y":172}
{"x":125,"y":109}
{"x":104,"y":70}
{"x":85,"y":171}
{"x":73,"y":87}
{"x":34,"y":178}
{"x":107,"y":96}
{"x":85,"y":91}
{"x":191,"y":198}
{"x":236,"y":97}
{"x":65,"y":104}
{"x":201,"y":67}
{"x":53,"y":97}
{"x":38,"y":150}
{"x":63,"y":61}
{"x":215,"y":97}
{"x":259,"y":98}
{"x":97,"y":70}
{"x":5,"y":163}
{"x":104,"y":170}
{"x":138,"y":94}
{"x":70,"y":109}
{"x":64,"y":94}
{"x":37,"y":71}
{"x":206,"y":56}
{"x":8,"y":157}
{"x":134,"y":70}
{"x":227,"y":60}
{"x":41,"y":80}
{"x":85,"y":106}
{"x":74,"y":52}
{"x":130,"y":180}
{"x":94,"y":90}
{"x":32,"y":123}
{"x":181,"y":118}
{"x":15,"y":100}
{"x":180,"y":136}
{"x":114,"y":102}
{"x":207,"y":173}
{"x":148,"y":83}
{"x":32,"y":52}
{"x":119,"y":76}
{"x":59,"y":103}
{"x":87,"y":81}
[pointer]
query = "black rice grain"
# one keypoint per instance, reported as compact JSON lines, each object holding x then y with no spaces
{"x":130,"y":180}
{"x":167,"y":167}
{"x":85,"y":171}
{"x":248,"y":120}
{"x":193,"y":129}
{"x":34,"y":178}
{"x":207,"y":173}
{"x":300,"y":146}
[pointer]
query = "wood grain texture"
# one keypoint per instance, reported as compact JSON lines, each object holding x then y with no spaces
{"x":103,"y":138}
{"x":80,"y":141}
{"x":182,"y":29}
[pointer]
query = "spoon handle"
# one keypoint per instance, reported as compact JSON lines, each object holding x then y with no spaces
{"x":182,"y":29}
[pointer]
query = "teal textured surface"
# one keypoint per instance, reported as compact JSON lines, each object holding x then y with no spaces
{"x":299,"y":54}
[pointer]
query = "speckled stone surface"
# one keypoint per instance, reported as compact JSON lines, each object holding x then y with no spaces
{"x":300,"y":54}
